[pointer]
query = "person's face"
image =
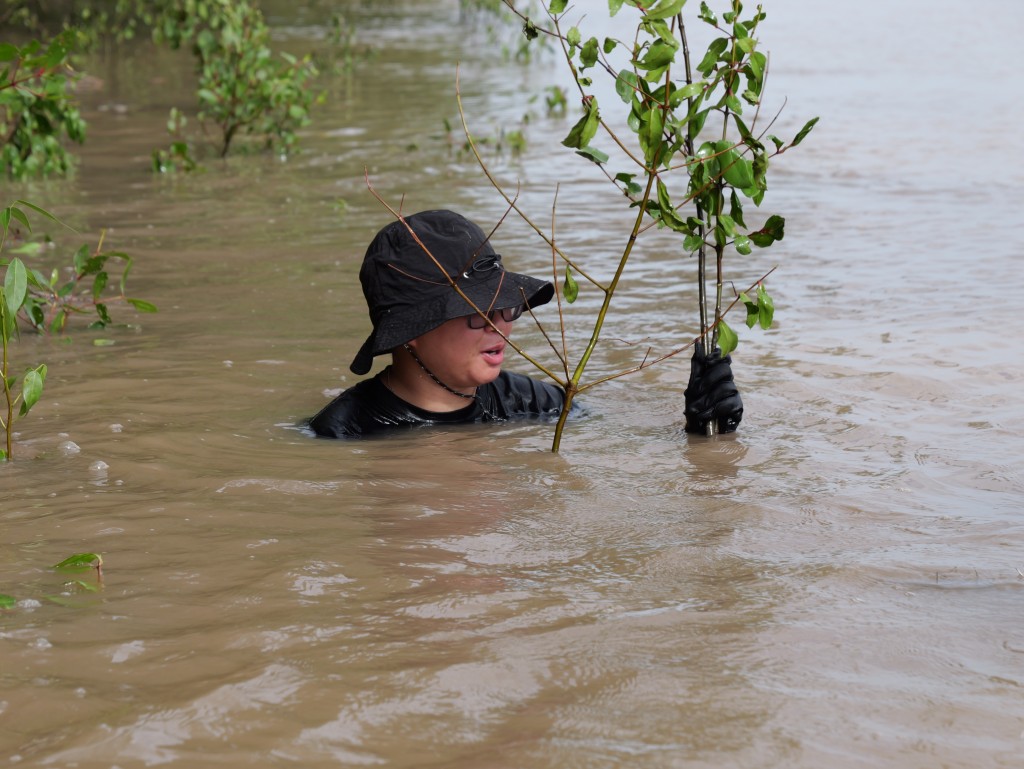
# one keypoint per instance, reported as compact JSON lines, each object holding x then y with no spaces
{"x":463,"y":357}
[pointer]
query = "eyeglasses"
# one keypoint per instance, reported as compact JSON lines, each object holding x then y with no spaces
{"x":508,"y":314}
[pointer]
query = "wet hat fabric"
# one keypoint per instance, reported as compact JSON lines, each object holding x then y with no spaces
{"x":408,"y":295}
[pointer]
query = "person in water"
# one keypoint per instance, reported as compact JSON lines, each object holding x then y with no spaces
{"x":446,"y":357}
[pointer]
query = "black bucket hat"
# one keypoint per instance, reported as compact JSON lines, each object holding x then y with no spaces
{"x":406,"y":293}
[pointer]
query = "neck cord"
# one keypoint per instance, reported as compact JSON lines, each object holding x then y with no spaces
{"x":437,"y":381}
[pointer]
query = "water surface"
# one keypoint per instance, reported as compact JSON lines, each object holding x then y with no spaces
{"x":839,"y":584}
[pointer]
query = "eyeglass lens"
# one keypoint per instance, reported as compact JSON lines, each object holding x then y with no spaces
{"x":508,"y":314}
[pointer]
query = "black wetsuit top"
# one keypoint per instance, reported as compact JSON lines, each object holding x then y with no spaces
{"x":369,"y":407}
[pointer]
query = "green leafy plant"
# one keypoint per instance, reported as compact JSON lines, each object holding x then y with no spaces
{"x":36,"y":111}
{"x":178,"y":157}
{"x":12,"y":300}
{"x":697,"y":155}
{"x":243,"y":87}
{"x":44,"y":303}
{"x":79,"y":563}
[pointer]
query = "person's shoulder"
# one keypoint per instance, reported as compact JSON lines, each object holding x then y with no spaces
{"x":521,"y":395}
{"x":353,"y":412}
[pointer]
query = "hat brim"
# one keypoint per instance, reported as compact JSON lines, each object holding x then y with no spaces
{"x":402,"y":324}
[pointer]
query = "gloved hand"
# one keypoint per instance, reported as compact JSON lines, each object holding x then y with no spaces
{"x":711,"y":393}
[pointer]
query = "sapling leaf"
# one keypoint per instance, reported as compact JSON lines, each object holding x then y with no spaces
{"x":18,"y":214}
{"x":570,"y":288}
{"x":766,"y":308}
{"x":15,"y":285}
{"x":594,"y":154}
{"x":573,"y":38}
{"x":30,"y":249}
{"x":81,"y":259}
{"x":142,"y":305}
{"x":626,"y":85}
{"x":742,"y":244}
{"x":737,"y":170}
{"x":666,"y":9}
{"x":727,"y":338}
{"x":804,"y":131}
{"x":752,"y":309}
{"x":774,"y":229}
{"x":32,"y":387}
{"x":632,"y":189}
{"x":614,"y":6}
{"x":585,"y":129}
{"x":588,"y":54}
{"x":557,"y":6}
{"x":80,"y":562}
{"x":707,"y":64}
{"x":42,"y":212}
{"x":692,"y":242}
{"x":6,"y":601}
{"x":98,"y":285}
{"x":691,"y":89}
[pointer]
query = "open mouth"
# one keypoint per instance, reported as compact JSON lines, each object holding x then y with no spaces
{"x":494,"y":355}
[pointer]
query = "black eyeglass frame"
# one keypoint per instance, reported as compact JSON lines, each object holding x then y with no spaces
{"x":508,"y":314}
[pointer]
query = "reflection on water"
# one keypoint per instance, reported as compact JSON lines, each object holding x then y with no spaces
{"x":838,"y":584}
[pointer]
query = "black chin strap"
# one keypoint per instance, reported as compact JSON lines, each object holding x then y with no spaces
{"x":437,"y":381}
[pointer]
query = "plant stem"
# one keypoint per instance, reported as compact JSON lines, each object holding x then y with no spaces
{"x":572,"y":386}
{"x":8,"y":424}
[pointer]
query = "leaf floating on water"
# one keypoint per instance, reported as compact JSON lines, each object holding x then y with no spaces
{"x":80,"y":562}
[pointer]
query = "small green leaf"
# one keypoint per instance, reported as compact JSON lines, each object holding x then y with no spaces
{"x":707,"y":64}
{"x":631,"y":187}
{"x":614,"y":6}
{"x":32,"y":387}
{"x":588,"y":55}
{"x":727,"y":338}
{"x":585,"y":129}
{"x":573,"y":38}
{"x":143,"y":306}
{"x":804,"y":131}
{"x":593,"y":154}
{"x":742,"y":244}
{"x":42,"y":212}
{"x":691,"y":89}
{"x":98,"y":284}
{"x":752,"y":309}
{"x":557,"y":6}
{"x":626,"y":85}
{"x":7,"y":601}
{"x":81,"y":259}
{"x":80,"y":562}
{"x":29,"y":249}
{"x":570,"y":288}
{"x":692,"y":242}
{"x":15,"y":285}
{"x":665,"y":9}
{"x":18,"y":214}
{"x":766,"y":308}
{"x":774,"y":229}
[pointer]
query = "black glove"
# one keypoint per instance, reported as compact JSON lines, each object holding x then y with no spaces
{"x":711,"y":393}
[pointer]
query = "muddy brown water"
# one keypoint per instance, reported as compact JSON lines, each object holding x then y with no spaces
{"x":840,"y":584}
